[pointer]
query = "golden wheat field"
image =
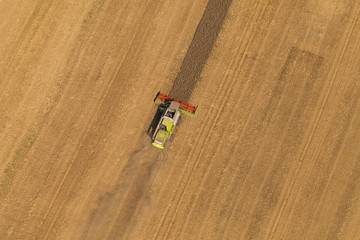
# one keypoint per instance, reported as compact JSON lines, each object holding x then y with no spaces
{"x":272,"y":153}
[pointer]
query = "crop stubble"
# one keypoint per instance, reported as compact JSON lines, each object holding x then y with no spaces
{"x":273,"y":152}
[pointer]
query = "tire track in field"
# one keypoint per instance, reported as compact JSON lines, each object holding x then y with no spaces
{"x":240,"y":62}
{"x":241,"y":98}
{"x":331,"y":81}
{"x":269,"y":193}
{"x":200,"y":49}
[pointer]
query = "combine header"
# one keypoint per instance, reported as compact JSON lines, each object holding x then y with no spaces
{"x":171,"y":109}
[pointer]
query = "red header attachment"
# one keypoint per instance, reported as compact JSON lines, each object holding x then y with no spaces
{"x":184,"y":107}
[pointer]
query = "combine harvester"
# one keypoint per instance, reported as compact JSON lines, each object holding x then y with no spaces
{"x":170,"y":109}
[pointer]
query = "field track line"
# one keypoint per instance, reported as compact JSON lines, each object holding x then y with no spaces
{"x":322,"y":107}
{"x":241,"y":96}
{"x":296,"y":108}
{"x":348,"y":126}
{"x":278,"y":215}
{"x":234,"y":205}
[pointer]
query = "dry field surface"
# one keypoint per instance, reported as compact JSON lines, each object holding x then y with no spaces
{"x":273,"y":153}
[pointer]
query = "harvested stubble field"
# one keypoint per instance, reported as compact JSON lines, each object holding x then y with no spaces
{"x":273,"y":153}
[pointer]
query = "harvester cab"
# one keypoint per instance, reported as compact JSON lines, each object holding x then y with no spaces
{"x":171,"y":109}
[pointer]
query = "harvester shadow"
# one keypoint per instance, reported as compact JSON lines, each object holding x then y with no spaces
{"x":154,"y":122}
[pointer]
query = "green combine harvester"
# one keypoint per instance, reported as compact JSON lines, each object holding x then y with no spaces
{"x":171,"y":109}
